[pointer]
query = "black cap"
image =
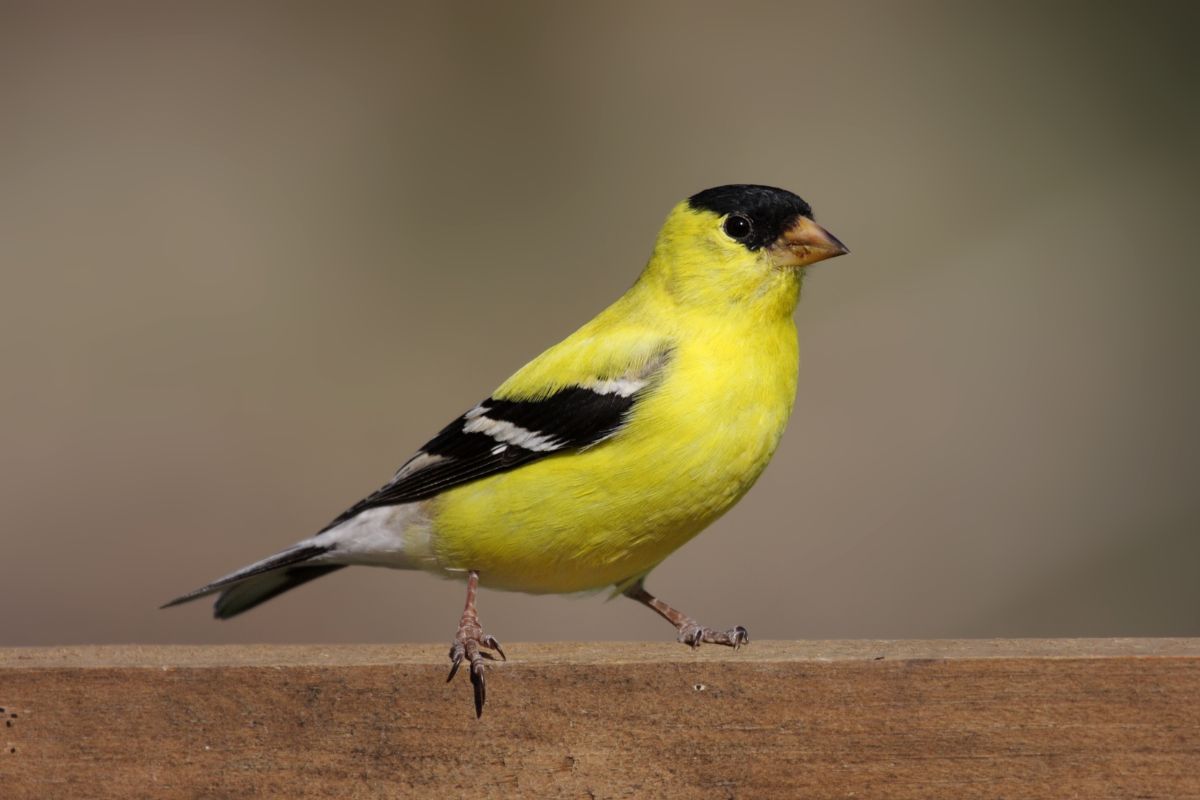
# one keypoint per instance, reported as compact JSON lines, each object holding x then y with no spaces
{"x":770,"y":211}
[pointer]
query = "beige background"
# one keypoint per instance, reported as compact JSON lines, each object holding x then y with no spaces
{"x":252,"y":259}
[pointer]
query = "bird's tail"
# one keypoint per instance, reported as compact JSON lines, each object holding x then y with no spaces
{"x":262,"y":580}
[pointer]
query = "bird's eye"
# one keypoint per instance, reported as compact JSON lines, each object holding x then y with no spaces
{"x":736,"y":226}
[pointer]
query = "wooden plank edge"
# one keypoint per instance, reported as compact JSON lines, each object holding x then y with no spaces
{"x":569,"y":653}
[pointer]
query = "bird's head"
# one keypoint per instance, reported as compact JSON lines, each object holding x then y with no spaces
{"x":740,"y":244}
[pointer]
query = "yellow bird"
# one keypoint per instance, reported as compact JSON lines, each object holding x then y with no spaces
{"x":610,"y":450}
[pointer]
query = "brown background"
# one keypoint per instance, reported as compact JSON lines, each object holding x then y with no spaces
{"x":251,"y":259}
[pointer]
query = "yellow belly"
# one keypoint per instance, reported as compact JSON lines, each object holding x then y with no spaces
{"x":581,"y":521}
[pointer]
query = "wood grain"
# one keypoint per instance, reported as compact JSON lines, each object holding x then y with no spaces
{"x":1110,"y":718}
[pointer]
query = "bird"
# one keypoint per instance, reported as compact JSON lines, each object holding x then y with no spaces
{"x":606,"y":453}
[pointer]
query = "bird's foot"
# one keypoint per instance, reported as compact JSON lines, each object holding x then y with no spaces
{"x":694,"y":634}
{"x":471,"y":644}
{"x":690,"y":632}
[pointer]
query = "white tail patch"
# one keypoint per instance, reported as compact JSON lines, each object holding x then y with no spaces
{"x":386,"y":536}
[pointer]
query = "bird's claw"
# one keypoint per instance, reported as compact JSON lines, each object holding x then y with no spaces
{"x":491,"y":643}
{"x":467,"y":647}
{"x":694,"y":634}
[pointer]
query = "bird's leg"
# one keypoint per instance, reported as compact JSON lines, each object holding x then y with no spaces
{"x":468,"y":641}
{"x":690,"y":631}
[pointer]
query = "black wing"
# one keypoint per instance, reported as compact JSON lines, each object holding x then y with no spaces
{"x":499,"y":435}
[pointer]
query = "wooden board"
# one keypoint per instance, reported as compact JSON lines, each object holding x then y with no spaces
{"x":1111,"y":718}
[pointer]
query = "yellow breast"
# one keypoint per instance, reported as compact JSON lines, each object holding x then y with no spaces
{"x":692,"y":447}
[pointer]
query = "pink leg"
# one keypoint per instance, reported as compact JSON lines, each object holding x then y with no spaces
{"x":690,"y":631}
{"x":467,"y":643}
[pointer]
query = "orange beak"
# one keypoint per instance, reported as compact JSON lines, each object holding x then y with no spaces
{"x":805,"y":243}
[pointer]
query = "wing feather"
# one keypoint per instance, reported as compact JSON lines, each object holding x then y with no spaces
{"x":502,"y":434}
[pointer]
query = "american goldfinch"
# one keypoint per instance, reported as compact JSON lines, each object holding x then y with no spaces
{"x":606,"y":453}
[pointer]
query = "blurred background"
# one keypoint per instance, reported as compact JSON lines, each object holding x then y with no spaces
{"x":253,"y":256}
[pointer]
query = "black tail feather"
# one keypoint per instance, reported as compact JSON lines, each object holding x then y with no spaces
{"x":291,"y":557}
{"x":255,"y":591}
